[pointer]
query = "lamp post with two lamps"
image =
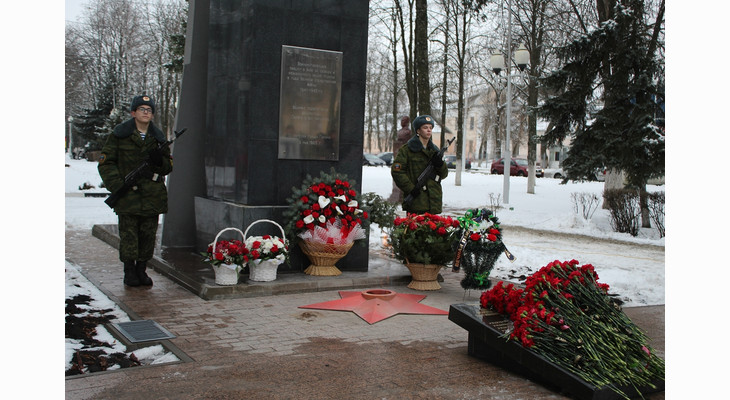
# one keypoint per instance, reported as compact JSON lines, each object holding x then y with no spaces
{"x":522,"y":58}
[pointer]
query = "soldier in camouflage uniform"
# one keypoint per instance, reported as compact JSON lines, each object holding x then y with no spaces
{"x":129,"y":145}
{"x":411,"y":160}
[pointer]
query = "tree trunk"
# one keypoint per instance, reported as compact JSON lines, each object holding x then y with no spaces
{"x":644,"y":204}
{"x":421,"y":57}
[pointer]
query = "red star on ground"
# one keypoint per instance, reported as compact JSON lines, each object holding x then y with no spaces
{"x":378,"y":304}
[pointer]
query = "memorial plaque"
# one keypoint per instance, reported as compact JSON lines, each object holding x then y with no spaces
{"x":309,"y":108}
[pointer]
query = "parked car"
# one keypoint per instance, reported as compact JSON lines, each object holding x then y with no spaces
{"x":539,"y":173}
{"x":371,"y":159}
{"x":558,"y":173}
{"x":518,"y":167}
{"x":451,"y":162}
{"x":387,"y":157}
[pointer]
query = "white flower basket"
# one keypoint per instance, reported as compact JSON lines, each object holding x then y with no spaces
{"x":264,"y":270}
{"x":226,"y":274}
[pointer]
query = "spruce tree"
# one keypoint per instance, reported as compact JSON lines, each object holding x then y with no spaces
{"x":605,"y":98}
{"x":93,"y":125}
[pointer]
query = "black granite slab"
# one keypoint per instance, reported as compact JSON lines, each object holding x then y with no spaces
{"x":486,"y":342}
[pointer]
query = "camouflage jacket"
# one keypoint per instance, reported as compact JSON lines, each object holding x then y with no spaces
{"x":408,"y":164}
{"x":123,"y":151}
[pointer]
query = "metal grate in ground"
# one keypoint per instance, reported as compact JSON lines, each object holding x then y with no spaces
{"x":145,"y":330}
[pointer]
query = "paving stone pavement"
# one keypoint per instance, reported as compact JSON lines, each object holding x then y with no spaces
{"x":268,"y":348}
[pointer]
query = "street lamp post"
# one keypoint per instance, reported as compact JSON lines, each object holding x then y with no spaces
{"x":522,"y":57}
{"x":70,"y":136}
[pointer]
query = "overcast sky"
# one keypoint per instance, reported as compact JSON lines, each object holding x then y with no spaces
{"x":73,"y":9}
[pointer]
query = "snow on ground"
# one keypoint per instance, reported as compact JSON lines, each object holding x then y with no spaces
{"x":638,"y":277}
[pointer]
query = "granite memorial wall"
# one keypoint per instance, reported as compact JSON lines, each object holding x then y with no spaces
{"x":284,"y":98}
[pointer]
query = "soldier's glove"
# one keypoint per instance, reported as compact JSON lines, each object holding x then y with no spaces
{"x":437,"y":160}
{"x":155,"y":157}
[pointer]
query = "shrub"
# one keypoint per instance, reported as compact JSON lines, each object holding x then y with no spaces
{"x":585,"y":203}
{"x":656,"y":211}
{"x":625,"y":210}
{"x":494,"y":202}
{"x":380,"y":211}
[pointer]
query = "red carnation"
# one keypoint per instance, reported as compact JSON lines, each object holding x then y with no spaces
{"x":475,"y":237}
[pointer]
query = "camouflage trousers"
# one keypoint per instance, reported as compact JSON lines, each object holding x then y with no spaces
{"x":137,"y":236}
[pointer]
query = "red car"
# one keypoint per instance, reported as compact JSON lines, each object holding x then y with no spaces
{"x":518,"y":167}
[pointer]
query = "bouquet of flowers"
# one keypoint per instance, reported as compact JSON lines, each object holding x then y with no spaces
{"x":326,"y":210}
{"x":566,"y":316}
{"x":228,"y":253}
{"x":479,"y":246}
{"x":265,"y":247}
{"x":423,"y":238}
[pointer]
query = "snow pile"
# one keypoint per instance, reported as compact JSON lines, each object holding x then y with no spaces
{"x":77,"y":284}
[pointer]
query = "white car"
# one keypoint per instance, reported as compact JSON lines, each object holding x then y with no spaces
{"x":557,"y":173}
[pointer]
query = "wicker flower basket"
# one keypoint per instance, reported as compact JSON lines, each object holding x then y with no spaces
{"x":226,"y":275}
{"x":323,"y":257}
{"x":424,"y":276}
{"x":263,"y":270}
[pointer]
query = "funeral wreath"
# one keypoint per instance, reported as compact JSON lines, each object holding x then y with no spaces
{"x":326,"y":209}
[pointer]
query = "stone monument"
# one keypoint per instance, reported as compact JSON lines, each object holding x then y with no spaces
{"x":272,"y":91}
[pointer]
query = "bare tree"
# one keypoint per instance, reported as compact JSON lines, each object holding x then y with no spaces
{"x":421,"y":58}
{"x":405,"y":22}
{"x":122,"y":47}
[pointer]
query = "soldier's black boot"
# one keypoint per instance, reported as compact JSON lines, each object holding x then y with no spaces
{"x":130,"y":274}
{"x":142,"y":275}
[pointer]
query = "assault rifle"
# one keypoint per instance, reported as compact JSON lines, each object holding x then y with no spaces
{"x":130,"y":181}
{"x":427,"y":174}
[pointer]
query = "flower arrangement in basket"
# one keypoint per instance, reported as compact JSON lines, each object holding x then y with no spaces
{"x":265,"y":253}
{"x":564,"y":314}
{"x":423,"y":238}
{"x":423,"y":243}
{"x":325,"y":218}
{"x":227,"y":258}
{"x":265,"y":247}
{"x":479,"y":246}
